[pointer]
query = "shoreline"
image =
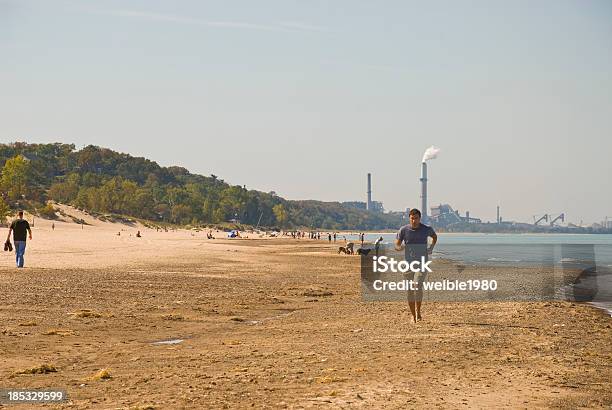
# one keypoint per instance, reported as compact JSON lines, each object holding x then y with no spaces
{"x":604,"y":307}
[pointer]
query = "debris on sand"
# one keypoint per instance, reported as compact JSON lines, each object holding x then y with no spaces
{"x":329,"y":379}
{"x":103,"y":374}
{"x":317,"y":293}
{"x":30,"y":323}
{"x":86,"y":313}
{"x":168,"y":342}
{"x":42,"y":369}
{"x":238,"y":319}
{"x":173,"y":316}
{"x":241,"y":369}
{"x":58,"y":332}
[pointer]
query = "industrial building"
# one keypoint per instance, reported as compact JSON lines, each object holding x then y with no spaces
{"x":444,"y":215}
{"x":375,"y":206}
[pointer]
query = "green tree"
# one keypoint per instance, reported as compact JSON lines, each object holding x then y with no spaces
{"x":280,"y":213}
{"x":48,"y":211}
{"x":4,"y":210}
{"x":181,"y":213}
{"x":15,"y":177}
{"x":67,"y":191}
{"x":162,"y":211}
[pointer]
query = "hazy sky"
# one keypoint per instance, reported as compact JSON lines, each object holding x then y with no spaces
{"x":305,"y":97}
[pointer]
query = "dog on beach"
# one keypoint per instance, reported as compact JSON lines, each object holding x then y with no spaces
{"x":343,"y":250}
{"x":363,"y":251}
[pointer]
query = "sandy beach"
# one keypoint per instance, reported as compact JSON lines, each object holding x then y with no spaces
{"x":272,"y":323}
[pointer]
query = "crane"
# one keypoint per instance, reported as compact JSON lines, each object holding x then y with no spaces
{"x":542,"y":218}
{"x":562,"y":217}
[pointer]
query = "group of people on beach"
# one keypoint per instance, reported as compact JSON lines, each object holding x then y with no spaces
{"x":330,"y":236}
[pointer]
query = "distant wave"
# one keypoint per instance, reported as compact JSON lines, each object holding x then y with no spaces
{"x":503,"y":260}
{"x":607,"y":307}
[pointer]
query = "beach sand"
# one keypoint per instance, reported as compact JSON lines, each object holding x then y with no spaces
{"x":273,"y":323}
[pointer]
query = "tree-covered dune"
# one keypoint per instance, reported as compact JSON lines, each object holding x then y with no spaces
{"x":100,"y":180}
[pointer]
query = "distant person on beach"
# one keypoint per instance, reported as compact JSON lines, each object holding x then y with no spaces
{"x":413,"y":239}
{"x":329,"y":237}
{"x":138,"y":234}
{"x":334,"y":237}
{"x":377,"y":244}
{"x":19,"y":227}
{"x":53,"y":226}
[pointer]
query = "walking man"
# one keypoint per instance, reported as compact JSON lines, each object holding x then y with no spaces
{"x":19,"y":228}
{"x":413,"y":238}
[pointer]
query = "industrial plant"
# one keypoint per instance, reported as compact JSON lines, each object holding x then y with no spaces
{"x":369,"y":205}
{"x":445,"y":218}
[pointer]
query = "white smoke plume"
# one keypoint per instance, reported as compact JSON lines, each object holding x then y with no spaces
{"x":430,"y":153}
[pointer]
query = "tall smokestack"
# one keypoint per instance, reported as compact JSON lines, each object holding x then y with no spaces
{"x":424,"y":192}
{"x":430,"y":153}
{"x":498,"y":220}
{"x":369,"y":203}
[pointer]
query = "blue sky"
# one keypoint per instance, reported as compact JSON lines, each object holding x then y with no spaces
{"x":306,"y":97}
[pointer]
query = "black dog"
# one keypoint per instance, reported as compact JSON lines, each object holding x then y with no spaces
{"x":363,"y":251}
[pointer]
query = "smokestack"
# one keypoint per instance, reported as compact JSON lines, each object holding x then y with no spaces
{"x":430,"y":153}
{"x":424,"y":192}
{"x":369,"y":203}
{"x":498,"y":220}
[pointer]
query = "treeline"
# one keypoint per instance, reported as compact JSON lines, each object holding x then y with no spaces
{"x":100,"y":180}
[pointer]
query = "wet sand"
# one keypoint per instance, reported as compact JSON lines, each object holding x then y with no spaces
{"x":273,"y":323}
